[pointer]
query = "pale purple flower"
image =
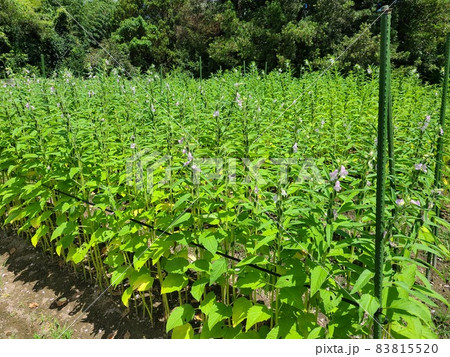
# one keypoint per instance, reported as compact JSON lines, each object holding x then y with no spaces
{"x":334,"y":175}
{"x":368,"y":183}
{"x":337,"y":186}
{"x":426,"y":123}
{"x":177,"y":104}
{"x":102,"y":119}
{"x":275,"y":198}
{"x":52,"y":89}
{"x":415,"y":202}
{"x":133,"y":90}
{"x":216,"y":114}
{"x":295,"y":147}
{"x":133,"y":146}
{"x":400,"y":201}
{"x":153,"y":108}
{"x":316,"y":130}
{"x":256,"y":190}
{"x":335,"y":215}
{"x":196,"y":168}
{"x":441,"y":131}
{"x":184,"y":151}
{"x":180,"y":141}
{"x":283,"y":192}
{"x":343,"y":172}
{"x":322,"y":123}
{"x":421,"y":167}
{"x":27,"y":105}
{"x":189,"y":159}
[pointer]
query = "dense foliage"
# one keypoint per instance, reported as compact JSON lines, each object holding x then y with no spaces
{"x":309,"y":227}
{"x":224,"y":33}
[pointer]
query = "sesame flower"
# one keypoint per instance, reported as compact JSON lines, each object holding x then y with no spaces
{"x":256,"y":190}
{"x":275,"y":198}
{"x":426,"y":123}
{"x":153,"y":108}
{"x":322,"y":123}
{"x":184,"y":151}
{"x":441,"y":131}
{"x":334,"y":175}
{"x":295,"y":147}
{"x":216,"y":114}
{"x":27,"y":105}
{"x":52,"y":89}
{"x":196,"y":168}
{"x":133,"y":90}
{"x":180,"y":141}
{"x":415,"y":202}
{"x":399,"y":201}
{"x":133,"y":146}
{"x":421,"y":167}
{"x":343,"y":172}
{"x":368,"y":183}
{"x":337,"y":186}
{"x":283,"y":192}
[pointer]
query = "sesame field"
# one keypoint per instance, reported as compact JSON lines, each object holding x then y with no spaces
{"x":238,"y":206}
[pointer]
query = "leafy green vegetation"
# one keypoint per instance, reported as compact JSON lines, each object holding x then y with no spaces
{"x":245,"y":203}
{"x":137,"y":34}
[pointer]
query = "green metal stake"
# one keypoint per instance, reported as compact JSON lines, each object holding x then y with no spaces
{"x":201,"y":68}
{"x":440,"y":144}
{"x":43,"y":66}
{"x":383,"y":109}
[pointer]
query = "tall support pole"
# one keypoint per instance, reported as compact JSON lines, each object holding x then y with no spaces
{"x":440,"y":143}
{"x":383,"y":110}
{"x":200,"y":67}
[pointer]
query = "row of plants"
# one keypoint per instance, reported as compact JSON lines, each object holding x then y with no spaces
{"x":244,"y":204}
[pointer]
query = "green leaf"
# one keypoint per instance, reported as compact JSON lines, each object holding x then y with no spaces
{"x":200,"y":265}
{"x":219,"y":311}
{"x":126,"y":296}
{"x":218,"y":268}
{"x":369,"y":304}
{"x":318,"y":277}
{"x":63,"y":229}
{"x":142,"y":280}
{"x":183,"y":332}
{"x":173,"y":282}
{"x":257,"y":313}
{"x":180,"y":316}
{"x":207,"y":303}
{"x":73,"y":171}
{"x":176,"y":265}
{"x":198,"y":288}
{"x":251,"y":280}
{"x":40,"y":232}
{"x":181,"y":201}
{"x":252,"y":260}
{"x":118,"y":275}
{"x":363,"y":279}
{"x":209,"y":241}
{"x":240,"y":310}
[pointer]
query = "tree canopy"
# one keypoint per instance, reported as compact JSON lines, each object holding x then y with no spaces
{"x":136,"y":34}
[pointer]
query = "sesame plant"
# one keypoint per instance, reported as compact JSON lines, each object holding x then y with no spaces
{"x":238,"y":206}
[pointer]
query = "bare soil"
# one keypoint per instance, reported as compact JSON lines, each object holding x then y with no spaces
{"x":40,"y":298}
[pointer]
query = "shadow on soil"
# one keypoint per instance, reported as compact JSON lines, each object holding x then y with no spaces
{"x":104,"y":312}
